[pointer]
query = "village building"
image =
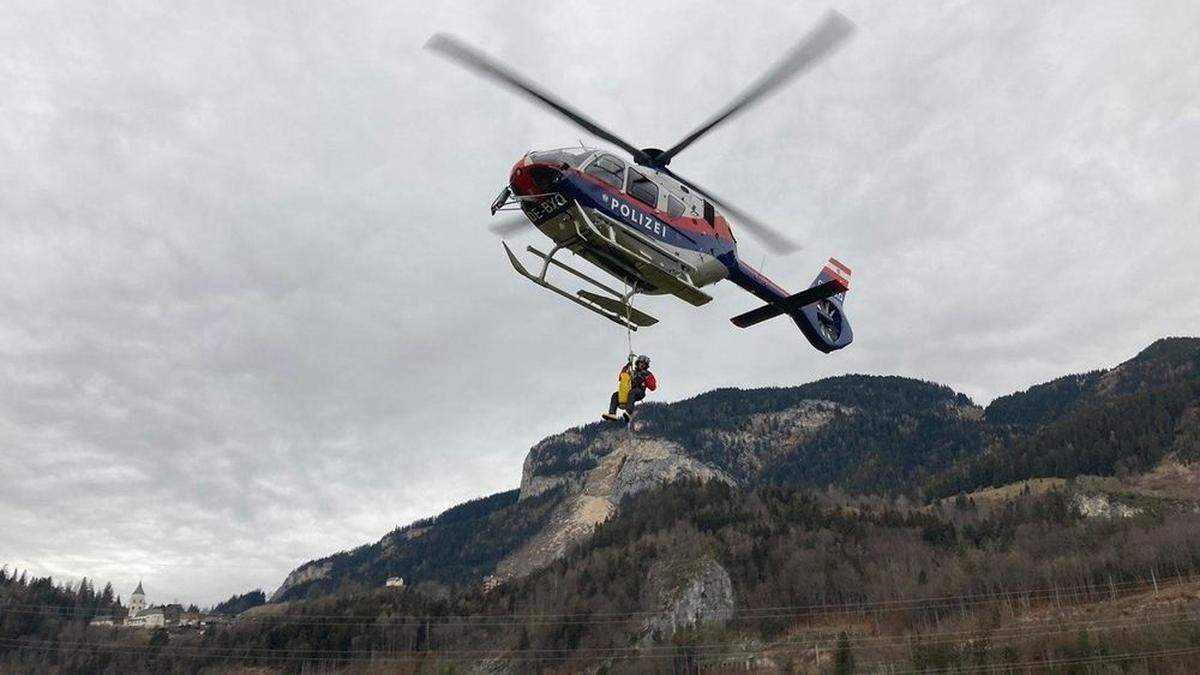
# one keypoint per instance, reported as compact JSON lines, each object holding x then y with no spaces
{"x":214,"y":620}
{"x":142,"y":615}
{"x":158,"y":616}
{"x":152,"y":617}
{"x":137,"y":601}
{"x":395,"y":582}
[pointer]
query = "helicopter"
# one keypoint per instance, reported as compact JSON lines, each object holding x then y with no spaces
{"x":651,"y":229}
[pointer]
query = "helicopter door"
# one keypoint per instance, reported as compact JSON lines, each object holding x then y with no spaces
{"x":608,"y":169}
{"x":643,"y":189}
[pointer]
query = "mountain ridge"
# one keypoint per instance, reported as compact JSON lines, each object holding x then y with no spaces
{"x":867,"y":434}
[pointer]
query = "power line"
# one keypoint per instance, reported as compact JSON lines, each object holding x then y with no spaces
{"x":705,"y":649}
{"x":601,"y":618}
{"x":1053,"y":591}
{"x":1100,"y":658}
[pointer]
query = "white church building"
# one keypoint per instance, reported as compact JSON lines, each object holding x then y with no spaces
{"x":141,"y":616}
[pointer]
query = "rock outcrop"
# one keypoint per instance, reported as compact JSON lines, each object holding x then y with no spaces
{"x":597,"y":470}
{"x":301,"y":575}
{"x":1101,"y":506}
{"x":688,"y":594}
{"x":619,"y":465}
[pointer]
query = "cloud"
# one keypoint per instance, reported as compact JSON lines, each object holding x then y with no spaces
{"x":249,"y":313}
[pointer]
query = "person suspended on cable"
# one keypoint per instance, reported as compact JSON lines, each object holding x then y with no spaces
{"x":631,"y":388}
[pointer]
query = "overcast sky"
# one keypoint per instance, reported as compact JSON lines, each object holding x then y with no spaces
{"x":250,"y":313}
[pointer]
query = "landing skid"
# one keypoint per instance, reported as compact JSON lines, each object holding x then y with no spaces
{"x":657,"y":269}
{"x":620,"y":308}
{"x":651,"y":269}
{"x":617,"y":310}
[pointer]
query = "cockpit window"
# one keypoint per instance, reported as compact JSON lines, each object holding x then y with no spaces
{"x":643,"y":189}
{"x":674,"y":206}
{"x":572,"y":157}
{"x":608,"y":169}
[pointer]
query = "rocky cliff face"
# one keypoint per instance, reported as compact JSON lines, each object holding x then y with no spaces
{"x":305,"y":574}
{"x":626,"y":463}
{"x":595,"y":470}
{"x":618,"y":464}
{"x":688,"y":594}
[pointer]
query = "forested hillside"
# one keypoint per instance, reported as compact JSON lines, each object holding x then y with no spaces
{"x":1104,"y":423}
{"x":37,"y":611}
{"x":1117,"y":435}
{"x":459,"y":546}
{"x":1167,"y":361}
{"x":237,"y":604}
{"x":887,"y":433}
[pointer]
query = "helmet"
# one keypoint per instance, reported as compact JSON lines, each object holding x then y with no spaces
{"x":642,"y":361}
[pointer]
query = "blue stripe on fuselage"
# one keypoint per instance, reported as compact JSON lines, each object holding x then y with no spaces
{"x":752,"y":280}
{"x":618,"y":207}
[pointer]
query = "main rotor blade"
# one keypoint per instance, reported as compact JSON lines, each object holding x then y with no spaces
{"x":769,"y":236}
{"x":510,"y":225}
{"x":816,"y":45}
{"x":451,"y":47}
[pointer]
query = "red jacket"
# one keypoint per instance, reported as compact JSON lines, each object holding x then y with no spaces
{"x":649,"y":380}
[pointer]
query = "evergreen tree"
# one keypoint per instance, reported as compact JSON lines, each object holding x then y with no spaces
{"x":843,"y":658}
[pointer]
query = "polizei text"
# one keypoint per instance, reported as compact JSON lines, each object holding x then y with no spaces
{"x":634,"y":216}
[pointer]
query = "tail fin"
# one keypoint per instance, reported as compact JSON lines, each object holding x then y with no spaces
{"x":816,"y":310}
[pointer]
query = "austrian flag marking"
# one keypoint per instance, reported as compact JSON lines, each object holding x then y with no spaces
{"x":839,"y":272}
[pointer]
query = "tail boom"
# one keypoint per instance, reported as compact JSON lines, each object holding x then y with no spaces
{"x":817,"y":310}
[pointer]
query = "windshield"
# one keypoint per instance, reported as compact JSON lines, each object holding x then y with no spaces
{"x":572,"y":157}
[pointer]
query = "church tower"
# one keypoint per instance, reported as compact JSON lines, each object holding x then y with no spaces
{"x":137,"y":601}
